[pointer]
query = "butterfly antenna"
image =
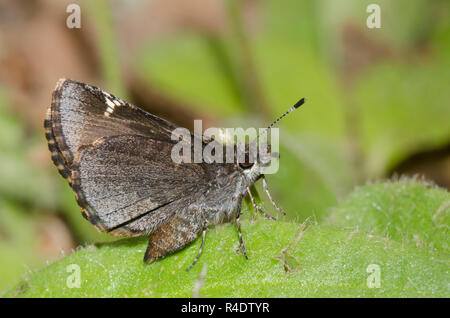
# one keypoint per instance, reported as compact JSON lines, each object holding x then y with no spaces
{"x":290,"y":110}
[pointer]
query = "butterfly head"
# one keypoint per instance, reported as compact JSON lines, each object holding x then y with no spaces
{"x":254,"y":165}
{"x":256,"y":162}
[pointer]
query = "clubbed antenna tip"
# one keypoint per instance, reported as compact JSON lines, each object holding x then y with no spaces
{"x":297,"y":105}
{"x":300,"y":103}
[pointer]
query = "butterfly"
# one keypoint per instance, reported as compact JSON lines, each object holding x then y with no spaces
{"x":117,"y":159}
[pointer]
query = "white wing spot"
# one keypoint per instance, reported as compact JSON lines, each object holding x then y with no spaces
{"x":110,"y":103}
{"x":110,"y":108}
{"x":117,"y":102}
{"x":108,"y":111}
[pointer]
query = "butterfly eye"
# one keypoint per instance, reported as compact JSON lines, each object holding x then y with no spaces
{"x":246,"y":165}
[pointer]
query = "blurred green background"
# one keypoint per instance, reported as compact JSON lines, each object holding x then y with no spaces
{"x":378,"y":99}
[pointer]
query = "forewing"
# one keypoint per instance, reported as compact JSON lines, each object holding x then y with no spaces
{"x":80,"y":114}
{"x":122,"y":181}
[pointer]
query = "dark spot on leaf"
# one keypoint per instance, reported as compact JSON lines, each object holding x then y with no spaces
{"x":21,"y":289}
{"x":291,"y":264}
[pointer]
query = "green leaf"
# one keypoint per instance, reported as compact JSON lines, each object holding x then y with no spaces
{"x":329,"y":262}
{"x":22,"y":179}
{"x":407,"y":211}
{"x":187,"y":67}
{"x":289,"y":71}
{"x":313,"y":175}
{"x":18,"y":244}
{"x":404,"y":23}
{"x":404,"y":109}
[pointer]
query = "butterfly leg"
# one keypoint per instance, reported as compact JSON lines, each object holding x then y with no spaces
{"x":257,"y":208}
{"x":200,"y":250}
{"x":238,"y":222}
{"x":266,"y":189}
